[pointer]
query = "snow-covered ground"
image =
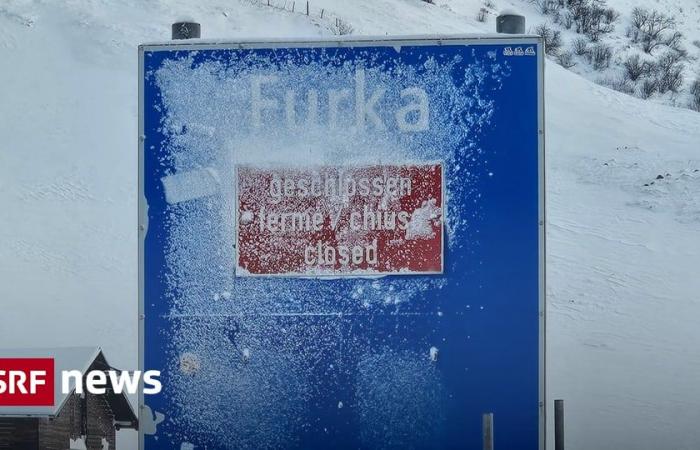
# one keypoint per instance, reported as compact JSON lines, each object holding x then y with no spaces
{"x":623,"y":244}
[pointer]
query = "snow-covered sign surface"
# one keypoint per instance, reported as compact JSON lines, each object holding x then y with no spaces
{"x":342,"y":243}
{"x":339,"y":220}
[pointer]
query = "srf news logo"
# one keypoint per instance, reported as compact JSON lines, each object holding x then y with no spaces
{"x":26,"y":381}
{"x":31,"y":382}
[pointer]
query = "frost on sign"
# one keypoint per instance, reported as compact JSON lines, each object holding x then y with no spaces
{"x":335,"y":220}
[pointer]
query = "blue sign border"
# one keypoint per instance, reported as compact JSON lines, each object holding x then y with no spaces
{"x":351,"y":42}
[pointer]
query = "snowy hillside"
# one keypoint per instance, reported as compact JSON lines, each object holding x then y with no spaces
{"x":594,"y":38}
{"x":623,"y":197}
{"x":648,"y":49}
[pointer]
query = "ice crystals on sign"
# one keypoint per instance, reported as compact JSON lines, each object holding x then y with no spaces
{"x":411,"y":115}
{"x":340,"y":220}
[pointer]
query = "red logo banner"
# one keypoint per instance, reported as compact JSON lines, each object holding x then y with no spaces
{"x":27,"y":381}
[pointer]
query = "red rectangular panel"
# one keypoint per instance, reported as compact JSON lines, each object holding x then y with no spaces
{"x":27,"y":381}
{"x":340,"y":220}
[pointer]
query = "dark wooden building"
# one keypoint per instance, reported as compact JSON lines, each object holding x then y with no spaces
{"x":76,"y":420}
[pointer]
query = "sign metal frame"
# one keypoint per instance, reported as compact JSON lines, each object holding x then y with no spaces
{"x":352,"y":41}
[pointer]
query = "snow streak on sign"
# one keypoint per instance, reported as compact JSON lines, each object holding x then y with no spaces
{"x":340,"y":220}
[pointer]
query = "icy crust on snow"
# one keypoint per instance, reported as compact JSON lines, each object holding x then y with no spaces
{"x":654,"y":182}
{"x":255,"y":346}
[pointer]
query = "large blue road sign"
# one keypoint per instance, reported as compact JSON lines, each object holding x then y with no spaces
{"x":342,"y":243}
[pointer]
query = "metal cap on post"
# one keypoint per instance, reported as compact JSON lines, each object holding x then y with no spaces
{"x":510,"y":23}
{"x":186,"y":30}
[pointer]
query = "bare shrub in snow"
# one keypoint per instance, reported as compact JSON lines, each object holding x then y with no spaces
{"x":490,"y":4}
{"x":610,"y":16}
{"x":635,"y":68}
{"x":652,"y":29}
{"x":696,"y":43}
{"x":620,"y":84}
{"x":640,"y":16}
{"x":604,"y":22}
{"x":342,"y":27}
{"x":566,"y":19}
{"x":556,"y":16}
{"x":675,"y":43}
{"x":668,"y":72}
{"x":566,"y":59}
{"x":482,"y":15}
{"x":580,"y":46}
{"x":600,"y":55}
{"x":549,"y":6}
{"x":647,"y":88}
{"x":695,"y":95}
{"x":552,"y":39}
{"x":592,"y":17}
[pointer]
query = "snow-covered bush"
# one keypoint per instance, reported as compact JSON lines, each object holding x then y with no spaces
{"x":668,"y":72}
{"x":552,"y":39}
{"x":566,"y":19}
{"x":610,"y":16}
{"x":580,"y":46}
{"x":647,"y":88}
{"x":599,"y":56}
{"x":620,"y":84}
{"x":566,"y":59}
{"x":635,"y":68}
{"x":549,"y":6}
{"x":652,"y":29}
{"x":695,"y":95}
{"x":342,"y":27}
{"x":592,"y":17}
